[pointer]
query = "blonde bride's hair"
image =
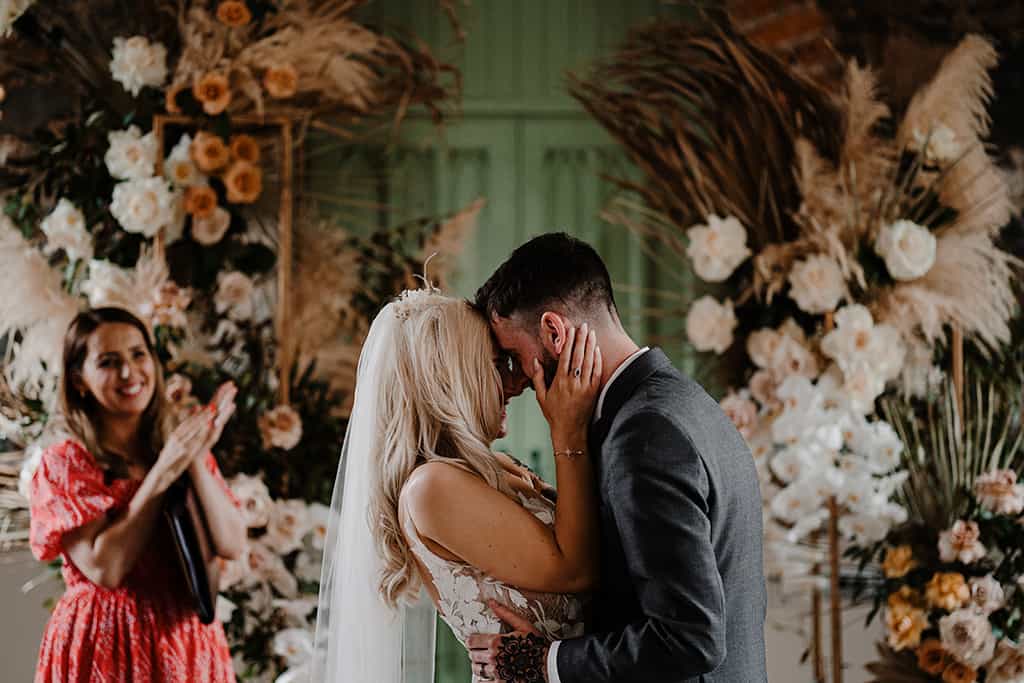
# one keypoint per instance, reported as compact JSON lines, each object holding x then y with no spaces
{"x":440,"y":401}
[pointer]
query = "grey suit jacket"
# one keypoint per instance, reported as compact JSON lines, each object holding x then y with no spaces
{"x":682,"y":594}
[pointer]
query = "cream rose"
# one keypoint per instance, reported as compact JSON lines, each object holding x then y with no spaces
{"x":816,"y":284}
{"x":987,"y":594}
{"x":144,"y":206}
{"x":281,"y":428}
{"x":907,"y":248}
{"x":999,"y":492}
{"x":131,"y":155}
{"x":761,"y":346}
{"x":742,"y":411}
{"x":717,"y":248}
{"x":289,"y":523}
{"x":709,"y":325}
{"x":234,"y":295}
{"x":65,"y":229}
{"x":137,"y":63}
{"x":210,"y":231}
{"x":254,"y":498}
{"x":961,"y":543}
{"x":967,"y":637}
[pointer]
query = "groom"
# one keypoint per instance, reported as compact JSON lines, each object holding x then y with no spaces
{"x":682,"y":594}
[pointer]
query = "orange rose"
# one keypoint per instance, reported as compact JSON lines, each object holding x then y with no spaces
{"x":898,"y":562}
{"x":932,"y":657}
{"x":905,"y":625}
{"x":171,"y":97}
{"x":209,"y":152}
{"x":214,"y":91}
{"x":245,"y":148}
{"x":959,"y":673}
{"x":948,"y":591}
{"x":200,"y":201}
{"x":281,"y":81}
{"x":244,"y":183}
{"x":233,"y":13}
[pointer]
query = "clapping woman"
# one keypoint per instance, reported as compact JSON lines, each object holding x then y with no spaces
{"x":126,"y":614}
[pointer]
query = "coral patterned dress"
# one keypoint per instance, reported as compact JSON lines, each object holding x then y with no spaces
{"x":144,"y":631}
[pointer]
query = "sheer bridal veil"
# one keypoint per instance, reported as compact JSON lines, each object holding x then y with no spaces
{"x":359,"y":639}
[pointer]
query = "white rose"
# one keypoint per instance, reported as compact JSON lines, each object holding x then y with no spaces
{"x":816,"y":284}
{"x":225,"y":609}
{"x":908,"y":249}
{"x":717,"y":248}
{"x":294,"y":645}
{"x":968,"y":637}
{"x":33,"y":456}
{"x":709,"y":325}
{"x":940,"y":146}
{"x":210,"y":231}
{"x":179,"y":168}
{"x":319,"y":519}
{"x":289,"y":522}
{"x":65,"y":229}
{"x":863,"y":529}
{"x":763,"y":386}
{"x":131,"y":155}
{"x":144,"y":206}
{"x":987,"y":594}
{"x":107,"y":284}
{"x":280,"y":428}
{"x":761,"y":346}
{"x":234,"y":295}
{"x":137,"y":63}
{"x":254,"y":498}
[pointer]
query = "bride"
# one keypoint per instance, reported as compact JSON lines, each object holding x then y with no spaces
{"x":422,"y":504}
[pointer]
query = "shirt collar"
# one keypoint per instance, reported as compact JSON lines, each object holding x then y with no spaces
{"x":615,"y":375}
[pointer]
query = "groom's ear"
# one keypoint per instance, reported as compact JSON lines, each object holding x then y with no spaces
{"x":554,"y":331}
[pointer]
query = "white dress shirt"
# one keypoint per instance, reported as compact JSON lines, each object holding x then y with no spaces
{"x":553,"y":652}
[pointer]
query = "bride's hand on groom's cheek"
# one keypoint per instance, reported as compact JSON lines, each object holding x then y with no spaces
{"x":517,"y":657}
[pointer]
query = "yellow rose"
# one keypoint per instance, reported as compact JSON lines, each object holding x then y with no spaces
{"x":898,"y":562}
{"x":948,"y":591}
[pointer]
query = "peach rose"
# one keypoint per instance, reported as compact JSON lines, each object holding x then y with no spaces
{"x":200,"y":201}
{"x":999,"y":492}
{"x":281,"y":81}
{"x":214,"y":92}
{"x":961,"y":543}
{"x":281,"y":428}
{"x":898,"y":562}
{"x":245,"y":148}
{"x":233,"y":13}
{"x":209,"y":152}
{"x":209,"y":231}
{"x":948,"y":591}
{"x":244,"y":183}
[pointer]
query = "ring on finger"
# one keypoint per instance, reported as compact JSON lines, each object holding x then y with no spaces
{"x":577,"y":372}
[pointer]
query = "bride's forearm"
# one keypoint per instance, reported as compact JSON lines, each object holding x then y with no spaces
{"x":576,"y":517}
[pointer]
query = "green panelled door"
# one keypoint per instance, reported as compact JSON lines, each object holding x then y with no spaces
{"x":524,"y":145}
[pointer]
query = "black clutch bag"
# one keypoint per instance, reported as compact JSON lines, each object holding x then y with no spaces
{"x":195,"y":551}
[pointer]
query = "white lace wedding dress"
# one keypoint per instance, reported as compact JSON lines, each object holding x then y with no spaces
{"x":463,"y":591}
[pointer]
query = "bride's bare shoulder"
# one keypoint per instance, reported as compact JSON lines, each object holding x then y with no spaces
{"x":433,"y":482}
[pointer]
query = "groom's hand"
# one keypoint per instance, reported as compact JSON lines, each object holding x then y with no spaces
{"x":517,"y":657}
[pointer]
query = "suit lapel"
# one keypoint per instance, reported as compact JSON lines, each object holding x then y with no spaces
{"x":624,"y":386}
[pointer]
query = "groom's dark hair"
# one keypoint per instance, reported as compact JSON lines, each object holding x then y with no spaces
{"x":553,"y":269}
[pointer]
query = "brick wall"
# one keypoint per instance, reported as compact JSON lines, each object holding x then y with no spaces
{"x":796,"y":31}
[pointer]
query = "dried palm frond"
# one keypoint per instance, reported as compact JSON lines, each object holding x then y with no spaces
{"x":945,"y":453}
{"x":896,"y":667}
{"x":342,"y":67}
{"x":711,"y":121}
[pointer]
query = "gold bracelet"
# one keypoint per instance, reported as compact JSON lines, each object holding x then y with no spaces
{"x":570,"y":453}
